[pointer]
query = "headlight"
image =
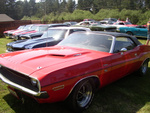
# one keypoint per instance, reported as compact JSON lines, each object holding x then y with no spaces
{"x":118,"y":30}
{"x":28,"y":47}
{"x":34,"y":82}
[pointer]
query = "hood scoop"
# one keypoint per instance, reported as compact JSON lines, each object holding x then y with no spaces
{"x":57,"y":55}
{"x":68,"y":55}
{"x":64,"y":53}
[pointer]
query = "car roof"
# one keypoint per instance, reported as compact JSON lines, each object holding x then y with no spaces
{"x":57,"y":24}
{"x":70,"y":28}
{"x":116,"y":34}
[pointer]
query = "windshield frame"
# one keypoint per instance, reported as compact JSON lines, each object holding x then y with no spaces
{"x":80,"y":40}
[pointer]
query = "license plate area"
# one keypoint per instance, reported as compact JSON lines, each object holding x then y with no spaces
{"x":13,"y":92}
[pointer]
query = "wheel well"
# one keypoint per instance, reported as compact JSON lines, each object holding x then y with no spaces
{"x":146,"y":60}
{"x":129,"y":32}
{"x":93,"y":79}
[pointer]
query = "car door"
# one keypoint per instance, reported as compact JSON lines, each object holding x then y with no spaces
{"x":141,"y":32}
{"x":124,"y":58}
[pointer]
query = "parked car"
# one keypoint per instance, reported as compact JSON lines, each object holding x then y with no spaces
{"x":51,"y":37}
{"x":8,"y":32}
{"x":25,"y":29}
{"x":88,"y":20}
{"x":102,"y":27}
{"x":138,"y":31}
{"x":35,"y":28}
{"x":70,"y":23}
{"x":86,"y":23}
{"x":40,"y":33}
{"x":123,"y":24}
{"x":108,"y":21}
{"x":75,"y":68}
{"x":96,"y":26}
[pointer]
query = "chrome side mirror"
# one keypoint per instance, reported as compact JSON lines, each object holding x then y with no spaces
{"x":123,"y":50}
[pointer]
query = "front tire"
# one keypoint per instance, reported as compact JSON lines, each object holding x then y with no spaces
{"x":82,"y":96}
{"x":130,"y":33}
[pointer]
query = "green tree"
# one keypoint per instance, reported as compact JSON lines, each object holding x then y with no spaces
{"x":19,"y":10}
{"x":32,"y":6}
{"x":85,"y":4}
{"x":71,"y":6}
{"x":26,"y":9}
{"x":10,"y":8}
{"x":147,"y":4}
{"x":63,"y":6}
{"x":2,"y":6}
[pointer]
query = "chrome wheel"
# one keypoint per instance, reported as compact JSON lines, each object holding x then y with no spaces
{"x":84,"y":94}
{"x":144,"y":68}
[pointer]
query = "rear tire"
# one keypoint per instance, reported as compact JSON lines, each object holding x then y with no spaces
{"x":144,"y":68}
{"x":82,"y":96}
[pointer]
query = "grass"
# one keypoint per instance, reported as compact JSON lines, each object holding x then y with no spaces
{"x":130,"y":94}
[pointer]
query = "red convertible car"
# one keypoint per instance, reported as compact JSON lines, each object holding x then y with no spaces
{"x":75,"y":68}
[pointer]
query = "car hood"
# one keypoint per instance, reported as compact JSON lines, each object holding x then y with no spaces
{"x":24,"y":32}
{"x":26,"y":42}
{"x":32,"y":34}
{"x":51,"y":58}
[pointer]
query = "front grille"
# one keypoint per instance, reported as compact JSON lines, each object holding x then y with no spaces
{"x":18,"y":78}
{"x":11,"y":49}
{"x":17,"y":49}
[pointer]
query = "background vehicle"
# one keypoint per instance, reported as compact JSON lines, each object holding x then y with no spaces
{"x":123,"y":24}
{"x":70,"y":23}
{"x":138,"y":31}
{"x":8,"y":32}
{"x":36,"y":28}
{"x":40,"y":33}
{"x":51,"y":37}
{"x":75,"y":68}
{"x":86,"y":23}
{"x":25,"y":29}
{"x":108,"y":21}
{"x":96,"y":26}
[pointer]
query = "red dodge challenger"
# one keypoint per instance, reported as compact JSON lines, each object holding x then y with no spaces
{"x":75,"y":68}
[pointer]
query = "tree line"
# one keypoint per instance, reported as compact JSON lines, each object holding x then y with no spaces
{"x":69,"y":9}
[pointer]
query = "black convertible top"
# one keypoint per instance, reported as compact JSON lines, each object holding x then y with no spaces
{"x":116,"y":34}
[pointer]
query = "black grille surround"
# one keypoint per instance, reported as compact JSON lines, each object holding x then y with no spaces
{"x":19,"y":81}
{"x":11,"y":49}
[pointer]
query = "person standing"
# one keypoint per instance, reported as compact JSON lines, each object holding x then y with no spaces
{"x":127,"y":19}
{"x":148,"y":32}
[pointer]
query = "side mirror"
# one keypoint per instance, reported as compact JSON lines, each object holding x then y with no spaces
{"x":123,"y":50}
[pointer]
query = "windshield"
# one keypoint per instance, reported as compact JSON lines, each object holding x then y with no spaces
{"x":127,"y":23}
{"x":20,"y":27}
{"x":27,"y":27}
{"x":55,"y":33}
{"x":34,"y":27}
{"x":88,"y":41}
{"x":42,"y":28}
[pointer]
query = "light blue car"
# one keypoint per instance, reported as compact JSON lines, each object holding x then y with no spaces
{"x":138,"y":31}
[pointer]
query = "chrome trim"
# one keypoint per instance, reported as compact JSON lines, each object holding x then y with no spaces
{"x":24,"y":89}
{"x":21,"y":88}
{"x":112,"y":45}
